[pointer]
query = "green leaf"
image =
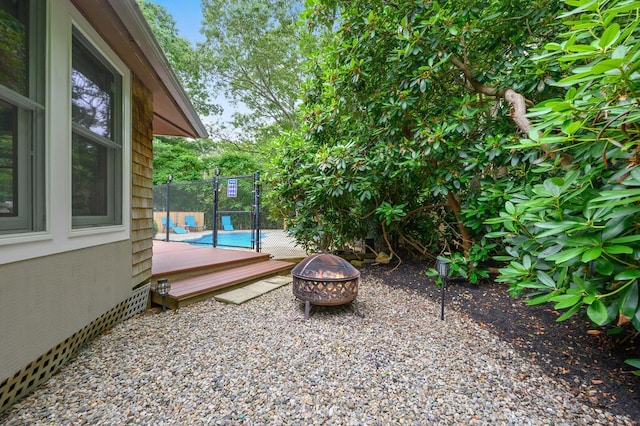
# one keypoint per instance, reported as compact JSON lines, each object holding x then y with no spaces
{"x":629,"y":274}
{"x":536,"y":285}
{"x":566,"y":300}
{"x":630,"y":301}
{"x":582,"y":241}
{"x":620,"y":52}
{"x":609,"y":36}
{"x":581,"y":48}
{"x":562,"y":274}
{"x":540,"y":299}
{"x":634,"y":362}
{"x":509,"y":207}
{"x":554,"y":228}
{"x":597,"y":312}
{"x":617,"y":249}
{"x":545,"y":279}
{"x":615,"y":227}
{"x":617,"y":195}
{"x":607,"y":65}
{"x":497,"y":234}
{"x":566,"y":255}
{"x":575,"y":79}
{"x":625,"y":239}
{"x":549,"y":251}
{"x":570,"y":312}
{"x":571,"y":128}
{"x":552,"y":46}
{"x":580,"y":7}
{"x":604,"y":266}
{"x":615,"y":331}
{"x":591,"y":254}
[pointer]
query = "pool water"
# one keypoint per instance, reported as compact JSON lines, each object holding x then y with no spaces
{"x":231,"y":239}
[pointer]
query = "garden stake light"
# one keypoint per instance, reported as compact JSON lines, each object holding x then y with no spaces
{"x":443,"y":271}
{"x":162,"y":288}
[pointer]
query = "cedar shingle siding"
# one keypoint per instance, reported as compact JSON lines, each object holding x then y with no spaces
{"x":141,"y":182}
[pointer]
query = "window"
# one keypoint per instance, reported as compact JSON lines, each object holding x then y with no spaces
{"x":96,"y":101}
{"x":22,"y":116}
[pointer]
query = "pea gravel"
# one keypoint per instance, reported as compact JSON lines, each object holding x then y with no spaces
{"x":261,"y":363}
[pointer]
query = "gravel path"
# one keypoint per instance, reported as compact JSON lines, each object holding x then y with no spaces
{"x":260,"y":363}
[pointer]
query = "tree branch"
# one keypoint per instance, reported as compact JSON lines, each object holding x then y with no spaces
{"x":517,"y":102}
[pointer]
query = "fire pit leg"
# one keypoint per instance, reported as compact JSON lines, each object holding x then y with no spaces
{"x":307,"y":309}
{"x":356,"y":310}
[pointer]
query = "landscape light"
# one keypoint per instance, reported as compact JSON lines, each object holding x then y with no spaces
{"x":162,"y":288}
{"x":443,"y":272}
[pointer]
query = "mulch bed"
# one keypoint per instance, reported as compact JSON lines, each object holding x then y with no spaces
{"x":574,"y":351}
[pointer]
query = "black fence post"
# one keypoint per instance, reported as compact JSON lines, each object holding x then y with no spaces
{"x":167,"y":227}
{"x":257,"y":209}
{"x":214,"y":223}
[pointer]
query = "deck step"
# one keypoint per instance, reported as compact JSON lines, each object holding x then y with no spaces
{"x":196,"y":288}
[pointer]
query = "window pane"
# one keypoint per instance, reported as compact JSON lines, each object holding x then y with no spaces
{"x":14,"y":52}
{"x":92,"y":92}
{"x":89,"y":178}
{"x":22,"y":144}
{"x":8,"y":160}
{"x":96,"y":96}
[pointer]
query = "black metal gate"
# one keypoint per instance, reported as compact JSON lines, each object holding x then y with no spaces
{"x":236,"y":207}
{"x":224,"y":211}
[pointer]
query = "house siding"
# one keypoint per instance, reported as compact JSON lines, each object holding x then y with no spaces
{"x":46,"y":305}
{"x":40,"y":322}
{"x":141,"y":182}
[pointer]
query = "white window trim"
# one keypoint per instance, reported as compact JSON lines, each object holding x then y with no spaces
{"x":59,"y":235}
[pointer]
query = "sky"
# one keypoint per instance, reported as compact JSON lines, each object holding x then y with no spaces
{"x":188,"y":17}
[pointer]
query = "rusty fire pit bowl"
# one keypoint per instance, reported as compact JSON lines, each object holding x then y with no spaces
{"x":325,"y":280}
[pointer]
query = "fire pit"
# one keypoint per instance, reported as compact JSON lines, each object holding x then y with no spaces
{"x":325,"y":280}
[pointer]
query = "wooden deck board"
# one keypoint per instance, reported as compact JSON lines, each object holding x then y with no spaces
{"x":189,"y":287}
{"x":196,"y":273}
{"x":171,"y":258}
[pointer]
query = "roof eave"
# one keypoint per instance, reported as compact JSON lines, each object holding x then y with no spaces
{"x":123,"y":26}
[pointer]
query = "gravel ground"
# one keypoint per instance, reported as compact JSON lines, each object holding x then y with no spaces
{"x":261,"y":363}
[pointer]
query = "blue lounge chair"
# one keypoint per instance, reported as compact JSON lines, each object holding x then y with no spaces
{"x":191,"y":224}
{"x":176,"y":229}
{"x":226,"y":223}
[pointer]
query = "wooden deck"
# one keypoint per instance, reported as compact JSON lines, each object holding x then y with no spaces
{"x":196,"y":273}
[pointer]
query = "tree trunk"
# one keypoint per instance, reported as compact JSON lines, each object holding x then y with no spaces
{"x":466,"y":238}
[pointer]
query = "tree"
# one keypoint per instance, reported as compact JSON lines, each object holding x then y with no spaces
{"x":253,"y":52}
{"x":235,"y":163}
{"x":406,"y":116}
{"x":184,"y":160}
{"x":413,"y":107}
{"x":176,"y":157}
{"x":572,"y":234}
{"x":184,"y":59}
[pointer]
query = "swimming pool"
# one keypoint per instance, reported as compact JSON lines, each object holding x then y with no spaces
{"x":230,"y":239}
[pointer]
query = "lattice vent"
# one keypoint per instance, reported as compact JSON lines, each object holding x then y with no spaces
{"x":137,"y":302}
{"x":39,"y":371}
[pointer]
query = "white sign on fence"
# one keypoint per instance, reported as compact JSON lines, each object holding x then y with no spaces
{"x":232,"y":188}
